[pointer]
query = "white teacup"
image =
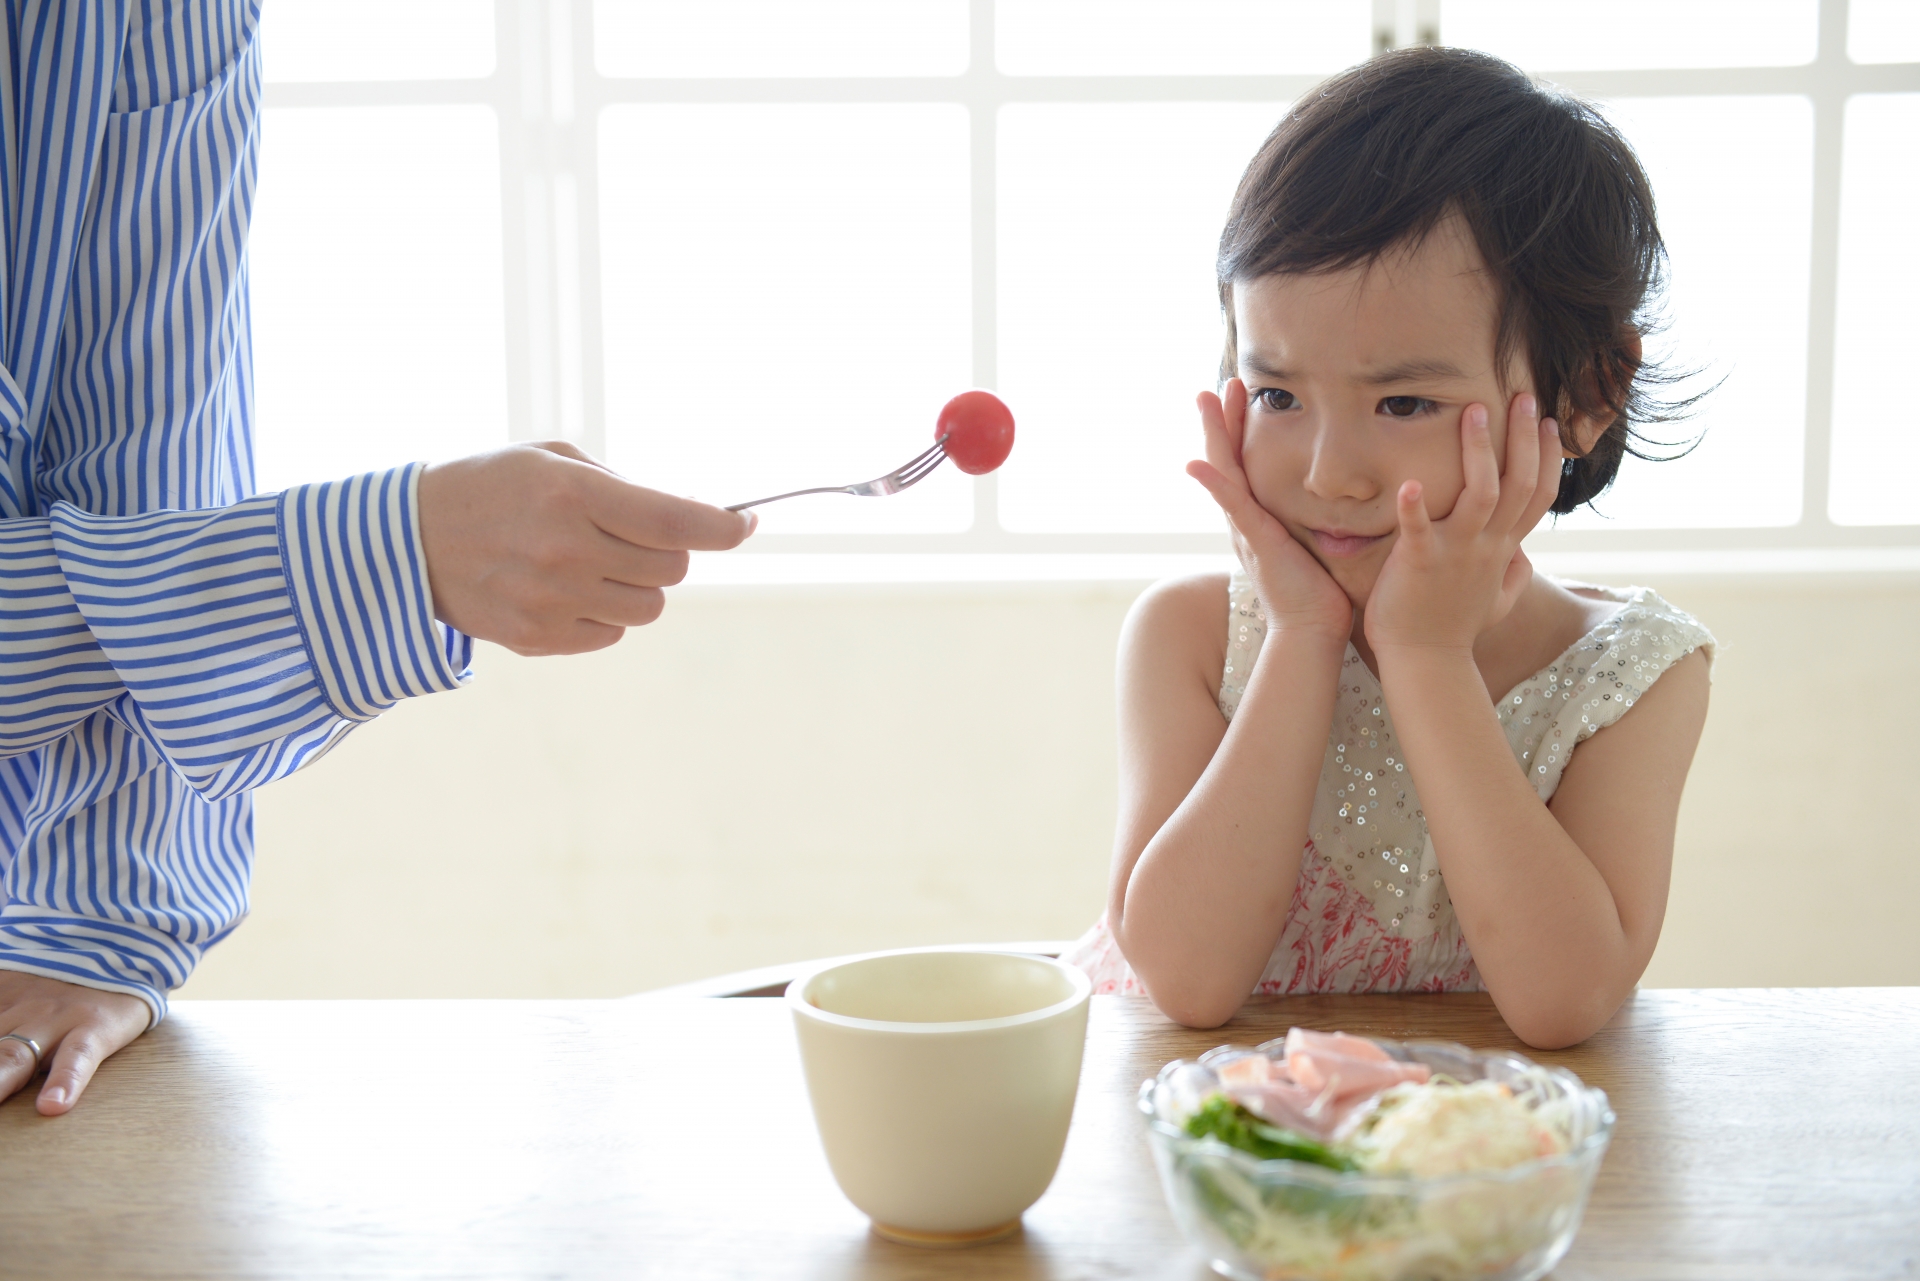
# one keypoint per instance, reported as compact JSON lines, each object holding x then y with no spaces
{"x":942,"y":1083}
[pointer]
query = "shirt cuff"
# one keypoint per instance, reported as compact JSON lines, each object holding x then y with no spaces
{"x":106,"y":955}
{"x":357,"y":572}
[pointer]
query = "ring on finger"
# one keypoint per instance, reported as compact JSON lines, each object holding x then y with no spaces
{"x":27,"y":1041}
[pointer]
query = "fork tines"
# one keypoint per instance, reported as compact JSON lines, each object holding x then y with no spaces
{"x":919,"y":467}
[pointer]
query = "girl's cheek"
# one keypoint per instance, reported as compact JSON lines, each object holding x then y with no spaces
{"x":1440,"y":476}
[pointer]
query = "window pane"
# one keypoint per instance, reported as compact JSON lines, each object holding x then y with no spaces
{"x":379,"y":331}
{"x":726,"y":38}
{"x":1196,"y":37}
{"x":1733,"y":179}
{"x":1572,"y":35}
{"x":1109,"y":321}
{"x":1883,"y":31}
{"x":1876,"y":428}
{"x":788,"y":303}
{"x":376,"y":39}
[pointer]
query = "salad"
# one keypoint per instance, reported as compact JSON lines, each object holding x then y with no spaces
{"x":1325,"y":1155}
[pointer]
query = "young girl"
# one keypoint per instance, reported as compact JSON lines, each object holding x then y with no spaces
{"x":1387,"y":755}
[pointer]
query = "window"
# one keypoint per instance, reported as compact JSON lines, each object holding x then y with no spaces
{"x":739,"y":246}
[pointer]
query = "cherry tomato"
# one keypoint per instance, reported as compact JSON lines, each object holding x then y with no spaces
{"x":979,"y":431}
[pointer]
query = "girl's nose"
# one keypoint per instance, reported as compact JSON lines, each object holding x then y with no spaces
{"x":1338,"y":466}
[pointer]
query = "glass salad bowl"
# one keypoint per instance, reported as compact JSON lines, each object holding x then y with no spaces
{"x":1282,"y":1220}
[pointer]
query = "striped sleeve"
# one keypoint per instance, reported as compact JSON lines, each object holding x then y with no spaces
{"x":359,"y":583}
{"x":248,"y":637}
{"x":220,"y":649}
{"x":52,"y":674}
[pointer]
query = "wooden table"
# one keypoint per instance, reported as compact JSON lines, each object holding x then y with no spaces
{"x":1762,"y":1134}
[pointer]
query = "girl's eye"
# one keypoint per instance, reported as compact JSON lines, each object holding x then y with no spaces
{"x":1406,"y":406}
{"x":1275,"y":398}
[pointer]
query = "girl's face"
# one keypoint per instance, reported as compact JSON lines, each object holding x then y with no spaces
{"x":1356,"y":381}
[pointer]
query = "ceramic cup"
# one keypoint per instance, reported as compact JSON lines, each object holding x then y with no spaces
{"x":942,"y":1083}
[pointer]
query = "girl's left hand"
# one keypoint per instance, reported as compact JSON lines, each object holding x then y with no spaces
{"x":1447,"y":581}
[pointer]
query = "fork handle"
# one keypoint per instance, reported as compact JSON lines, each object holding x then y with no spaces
{"x":824,"y":489}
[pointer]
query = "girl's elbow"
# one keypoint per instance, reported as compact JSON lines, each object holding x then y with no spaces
{"x":1550,"y":1035}
{"x":1193,"y":1007}
{"x":1557,"y":1026}
{"x":1186,"y":989}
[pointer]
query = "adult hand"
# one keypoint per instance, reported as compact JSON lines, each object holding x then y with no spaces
{"x":1296,"y":592}
{"x":76,"y":1028}
{"x":543,"y":550}
{"x":1446,"y":581}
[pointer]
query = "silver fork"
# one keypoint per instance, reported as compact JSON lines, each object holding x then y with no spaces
{"x":910,"y":473}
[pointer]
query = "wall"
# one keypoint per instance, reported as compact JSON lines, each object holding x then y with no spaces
{"x":773,"y":774}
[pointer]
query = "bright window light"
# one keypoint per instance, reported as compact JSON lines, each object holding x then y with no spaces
{"x":1110,"y":215}
{"x":1883,"y":31}
{"x":322,"y":40}
{"x":736,"y":38}
{"x":788,"y":303}
{"x":378,"y":325}
{"x":1196,"y":37}
{"x":1567,"y":35}
{"x":1876,"y":428}
{"x":1733,"y":183}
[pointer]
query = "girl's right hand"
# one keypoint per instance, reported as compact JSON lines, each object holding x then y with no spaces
{"x":1298,"y":595}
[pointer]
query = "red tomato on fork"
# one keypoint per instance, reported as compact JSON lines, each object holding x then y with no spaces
{"x":979,"y":431}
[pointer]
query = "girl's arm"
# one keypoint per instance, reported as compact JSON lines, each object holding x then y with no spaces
{"x":1213,"y":817}
{"x":1561,"y":904}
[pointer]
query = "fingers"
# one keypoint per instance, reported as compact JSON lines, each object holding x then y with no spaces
{"x":1546,"y":485}
{"x":77,"y":1028}
{"x":649,"y":518}
{"x":1223,"y":424}
{"x":1243,"y":510}
{"x":623,"y":605}
{"x":579,"y":636}
{"x":621,"y":562}
{"x":1235,"y":405}
{"x":571,"y":613}
{"x":1520,"y":481}
{"x":16,"y":1061}
{"x":1480,"y":469}
{"x":1213,"y":434}
{"x":1416,"y":527}
{"x":80,"y":1054}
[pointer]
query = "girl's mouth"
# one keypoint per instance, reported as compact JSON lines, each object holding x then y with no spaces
{"x":1332,"y":542}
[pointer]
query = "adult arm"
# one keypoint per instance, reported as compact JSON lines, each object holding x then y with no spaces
{"x":238,"y":645}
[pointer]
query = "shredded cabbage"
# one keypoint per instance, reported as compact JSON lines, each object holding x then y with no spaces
{"x":1447,"y":1127}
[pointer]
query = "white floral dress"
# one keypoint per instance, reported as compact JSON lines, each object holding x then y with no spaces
{"x":1369,"y":912}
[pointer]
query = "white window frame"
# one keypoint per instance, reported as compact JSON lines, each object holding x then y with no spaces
{"x":548,"y":96}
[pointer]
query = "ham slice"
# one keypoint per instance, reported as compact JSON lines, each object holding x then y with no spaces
{"x":1262,"y":1087}
{"x":1345,"y":1068}
{"x":1352,"y":1047}
{"x":1323,"y":1078}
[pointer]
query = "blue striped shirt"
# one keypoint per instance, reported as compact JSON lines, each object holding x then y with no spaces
{"x":168,"y":639}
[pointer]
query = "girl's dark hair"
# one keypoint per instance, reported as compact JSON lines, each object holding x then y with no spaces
{"x":1551,"y":193}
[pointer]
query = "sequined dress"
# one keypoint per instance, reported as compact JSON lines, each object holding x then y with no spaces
{"x":1369,"y":911}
